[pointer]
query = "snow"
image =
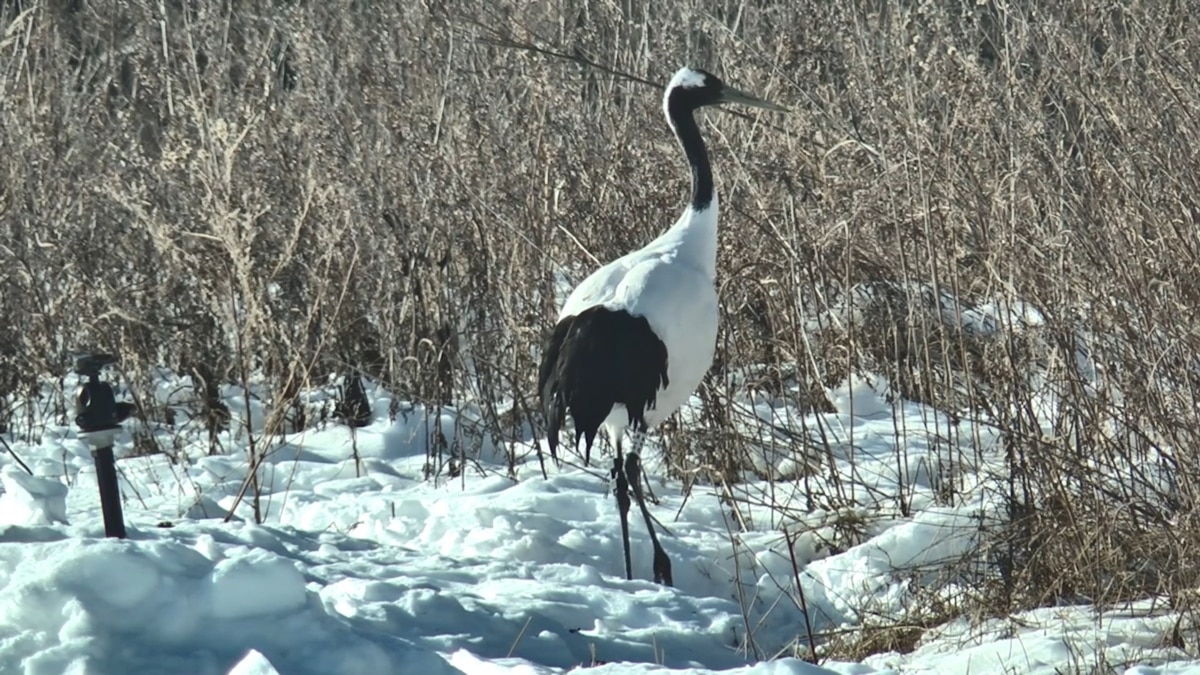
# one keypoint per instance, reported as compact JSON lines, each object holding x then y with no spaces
{"x":367,"y":566}
{"x":253,"y":664}
{"x":31,"y":499}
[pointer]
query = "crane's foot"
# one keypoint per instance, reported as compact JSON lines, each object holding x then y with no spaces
{"x":662,"y":562}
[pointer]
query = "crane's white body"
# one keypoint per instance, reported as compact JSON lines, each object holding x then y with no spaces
{"x":670,"y":282}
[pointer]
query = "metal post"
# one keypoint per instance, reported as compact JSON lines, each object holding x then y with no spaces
{"x":110,"y":492}
{"x":98,"y":416}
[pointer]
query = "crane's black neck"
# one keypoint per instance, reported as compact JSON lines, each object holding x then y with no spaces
{"x":687,"y":131}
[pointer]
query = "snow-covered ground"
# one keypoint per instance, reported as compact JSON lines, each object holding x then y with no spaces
{"x":368,"y":567}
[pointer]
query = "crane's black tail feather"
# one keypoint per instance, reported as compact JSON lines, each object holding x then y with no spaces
{"x":593,"y":361}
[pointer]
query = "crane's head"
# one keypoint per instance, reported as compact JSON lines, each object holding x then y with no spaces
{"x":692,"y":88}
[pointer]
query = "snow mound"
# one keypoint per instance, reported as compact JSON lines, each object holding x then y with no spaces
{"x":31,"y":500}
{"x":161,"y":606}
{"x":254,"y":664}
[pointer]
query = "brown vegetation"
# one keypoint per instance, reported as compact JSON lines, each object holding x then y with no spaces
{"x":293,"y":188}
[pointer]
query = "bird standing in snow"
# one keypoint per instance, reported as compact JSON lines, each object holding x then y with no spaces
{"x":634,"y":339}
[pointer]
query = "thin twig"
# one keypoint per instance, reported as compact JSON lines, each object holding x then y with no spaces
{"x":15,"y":456}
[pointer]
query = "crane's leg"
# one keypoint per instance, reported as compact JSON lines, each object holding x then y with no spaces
{"x":637,"y":440}
{"x":633,"y":467}
{"x":622,"y":491}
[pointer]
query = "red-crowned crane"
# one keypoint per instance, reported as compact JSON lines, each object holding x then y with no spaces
{"x":634,"y":339}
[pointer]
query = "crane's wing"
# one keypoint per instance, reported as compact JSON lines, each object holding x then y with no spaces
{"x":598,"y":288}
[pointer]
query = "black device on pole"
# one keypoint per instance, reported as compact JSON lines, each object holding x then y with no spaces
{"x":98,"y":417}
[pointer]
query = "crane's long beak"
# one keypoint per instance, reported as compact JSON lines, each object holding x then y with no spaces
{"x":731,"y":95}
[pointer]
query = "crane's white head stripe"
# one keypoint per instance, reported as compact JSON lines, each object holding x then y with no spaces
{"x":688,"y":79}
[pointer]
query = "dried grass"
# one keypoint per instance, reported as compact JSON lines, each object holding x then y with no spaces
{"x":290,"y":190}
